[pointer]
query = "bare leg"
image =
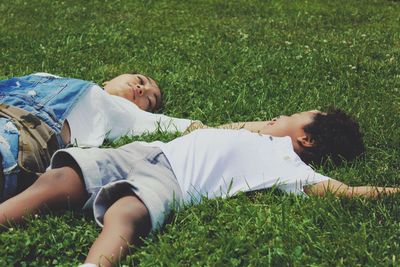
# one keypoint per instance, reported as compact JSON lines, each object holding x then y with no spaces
{"x":124,"y":222}
{"x":57,"y":188}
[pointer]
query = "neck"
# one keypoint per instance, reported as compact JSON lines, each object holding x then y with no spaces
{"x":296,"y":145}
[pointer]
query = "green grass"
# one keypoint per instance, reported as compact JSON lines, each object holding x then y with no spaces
{"x":221,"y":61}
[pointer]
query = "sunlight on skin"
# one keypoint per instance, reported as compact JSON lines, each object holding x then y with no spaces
{"x":137,"y":88}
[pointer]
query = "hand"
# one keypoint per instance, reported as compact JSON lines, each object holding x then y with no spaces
{"x":194,"y":126}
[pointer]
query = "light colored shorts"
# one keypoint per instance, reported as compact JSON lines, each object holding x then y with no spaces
{"x":110,"y":174}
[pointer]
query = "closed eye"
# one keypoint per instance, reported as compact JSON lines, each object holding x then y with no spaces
{"x":141,"y":81}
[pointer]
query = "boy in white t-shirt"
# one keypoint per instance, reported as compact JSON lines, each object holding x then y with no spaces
{"x":132,"y":188}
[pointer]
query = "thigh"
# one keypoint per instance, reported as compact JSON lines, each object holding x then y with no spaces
{"x":60,"y":188}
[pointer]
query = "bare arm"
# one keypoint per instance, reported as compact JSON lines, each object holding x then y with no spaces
{"x":252,"y":126}
{"x":343,"y":190}
{"x":194,"y":126}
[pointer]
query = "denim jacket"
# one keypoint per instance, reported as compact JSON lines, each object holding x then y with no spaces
{"x":49,"y":98}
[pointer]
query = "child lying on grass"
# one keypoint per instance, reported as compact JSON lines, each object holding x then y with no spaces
{"x":132,"y":189}
{"x":41,"y":113}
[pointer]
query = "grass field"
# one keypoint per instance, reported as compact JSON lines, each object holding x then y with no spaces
{"x":220,"y":61}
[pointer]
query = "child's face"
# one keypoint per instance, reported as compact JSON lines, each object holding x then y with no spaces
{"x":292,"y":126}
{"x":137,"y":88}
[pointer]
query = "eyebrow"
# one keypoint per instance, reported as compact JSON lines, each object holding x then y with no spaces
{"x":148,"y":79}
{"x":157,"y":101}
{"x":150,"y":108}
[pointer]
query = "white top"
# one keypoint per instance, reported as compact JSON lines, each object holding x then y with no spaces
{"x":217,"y":162}
{"x":98,"y":116}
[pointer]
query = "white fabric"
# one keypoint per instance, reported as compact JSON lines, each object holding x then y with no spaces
{"x":99,"y":115}
{"x":44,"y":74}
{"x":88,"y":265}
{"x":216,"y":162}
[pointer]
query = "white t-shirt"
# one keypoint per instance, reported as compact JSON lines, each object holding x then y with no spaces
{"x":98,"y":116}
{"x":218,"y":162}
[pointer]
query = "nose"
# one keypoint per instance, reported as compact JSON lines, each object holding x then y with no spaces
{"x":139,"y":90}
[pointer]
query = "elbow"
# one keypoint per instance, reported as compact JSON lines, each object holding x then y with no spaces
{"x":349,"y":192}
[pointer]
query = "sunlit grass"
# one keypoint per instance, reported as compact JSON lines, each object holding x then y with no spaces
{"x":221,"y":61}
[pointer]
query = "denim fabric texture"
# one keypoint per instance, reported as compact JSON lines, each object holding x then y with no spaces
{"x":50,"y":99}
{"x":9,"y":152}
{"x":47,"y":97}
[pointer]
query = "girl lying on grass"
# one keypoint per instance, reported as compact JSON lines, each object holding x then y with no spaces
{"x":42,"y":113}
{"x":132,"y":189}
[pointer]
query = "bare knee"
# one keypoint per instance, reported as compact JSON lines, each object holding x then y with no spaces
{"x":130,"y":214}
{"x":62,"y":184}
{"x":58,"y":178}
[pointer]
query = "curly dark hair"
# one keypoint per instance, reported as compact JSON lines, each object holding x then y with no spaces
{"x":336,"y":136}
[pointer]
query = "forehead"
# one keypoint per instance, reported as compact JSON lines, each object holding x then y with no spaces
{"x":125,"y":76}
{"x":151,"y":81}
{"x":309,"y":112}
{"x":304,"y":116}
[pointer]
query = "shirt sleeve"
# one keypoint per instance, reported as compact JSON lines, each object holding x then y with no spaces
{"x":126,"y":118}
{"x":297,"y":183}
{"x":88,"y":121}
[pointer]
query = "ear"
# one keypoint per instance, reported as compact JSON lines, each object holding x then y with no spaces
{"x":306,"y":141}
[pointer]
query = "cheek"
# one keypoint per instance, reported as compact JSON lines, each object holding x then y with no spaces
{"x":142,"y":105}
{"x":141,"y":102}
{"x":126,"y":91}
{"x":283,"y":127}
